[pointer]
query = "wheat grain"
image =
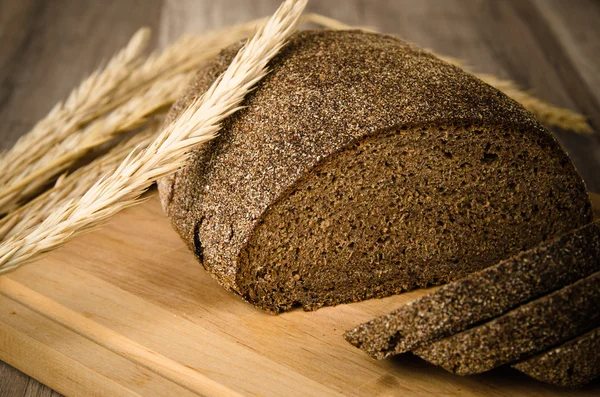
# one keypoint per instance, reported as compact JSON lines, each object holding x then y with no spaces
{"x":79,"y":107}
{"x":150,"y":80}
{"x":73,"y":186}
{"x":199,"y":123}
{"x":61,"y":156}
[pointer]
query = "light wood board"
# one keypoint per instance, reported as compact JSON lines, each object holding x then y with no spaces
{"x":127,"y":311}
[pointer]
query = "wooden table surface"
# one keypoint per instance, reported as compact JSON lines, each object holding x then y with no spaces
{"x":548,"y":46}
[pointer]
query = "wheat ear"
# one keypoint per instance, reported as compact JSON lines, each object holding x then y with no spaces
{"x":150,"y":87}
{"x":73,"y":186}
{"x":544,"y":111}
{"x":162,"y":74}
{"x":199,"y":123}
{"x":79,"y":107}
{"x":62,"y":155}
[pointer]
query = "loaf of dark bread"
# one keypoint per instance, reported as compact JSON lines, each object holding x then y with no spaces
{"x":482,"y":295}
{"x":363,"y":166}
{"x":522,"y":332}
{"x":572,"y":364}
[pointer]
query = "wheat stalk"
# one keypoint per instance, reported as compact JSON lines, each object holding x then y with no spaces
{"x":179,"y":59}
{"x":199,"y":123}
{"x":73,"y":186}
{"x":544,"y":111}
{"x":79,"y":107}
{"x":61,"y":156}
{"x":183,"y":56}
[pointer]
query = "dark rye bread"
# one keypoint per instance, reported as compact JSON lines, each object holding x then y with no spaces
{"x":482,"y":295}
{"x":363,"y":166}
{"x":572,"y":364}
{"x":522,"y":332}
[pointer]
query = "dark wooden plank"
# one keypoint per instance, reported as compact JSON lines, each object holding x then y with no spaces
{"x":36,"y":389}
{"x":197,"y":16}
{"x":16,"y":21}
{"x":49,"y":47}
{"x":13,"y":383}
{"x":576,"y":28}
{"x":572,"y":51}
{"x":350,"y":11}
{"x":446,"y":27}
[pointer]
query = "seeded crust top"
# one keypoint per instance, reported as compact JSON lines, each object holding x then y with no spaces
{"x":326,"y":89}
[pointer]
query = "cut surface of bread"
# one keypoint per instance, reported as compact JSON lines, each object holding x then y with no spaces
{"x":362,"y":166}
{"x":483,"y":295}
{"x":522,"y":332}
{"x":572,"y":364}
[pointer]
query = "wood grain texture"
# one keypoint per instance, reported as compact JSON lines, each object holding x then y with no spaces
{"x":46,"y":48}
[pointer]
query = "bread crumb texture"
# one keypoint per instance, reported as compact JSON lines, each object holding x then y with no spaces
{"x":522,"y":332}
{"x":482,"y":295}
{"x":571,"y":364}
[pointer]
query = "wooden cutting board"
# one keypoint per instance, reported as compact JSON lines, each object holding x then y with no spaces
{"x":127,"y":311}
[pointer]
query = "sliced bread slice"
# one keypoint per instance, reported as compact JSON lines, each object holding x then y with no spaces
{"x":571,"y":364}
{"x":482,"y":295}
{"x":522,"y":332}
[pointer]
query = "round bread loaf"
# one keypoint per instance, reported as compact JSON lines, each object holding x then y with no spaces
{"x":363,"y":166}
